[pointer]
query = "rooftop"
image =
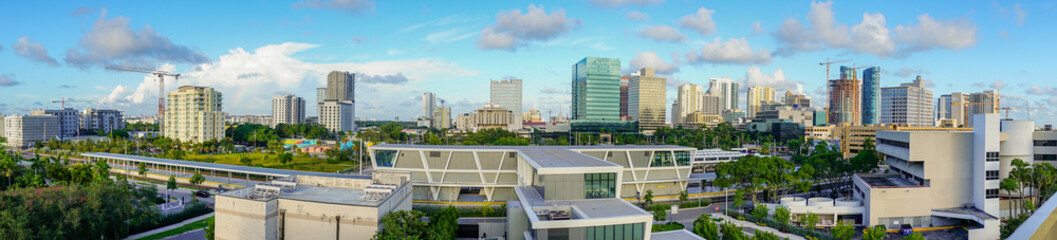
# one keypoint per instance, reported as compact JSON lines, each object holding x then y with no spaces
{"x":486,"y":147}
{"x":221,"y":167}
{"x":886,"y":180}
{"x":555,"y":158}
{"x":681,"y":234}
{"x":968,"y":211}
{"x":341,"y":194}
{"x":584,"y":209}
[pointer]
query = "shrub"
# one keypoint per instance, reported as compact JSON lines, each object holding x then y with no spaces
{"x":667,"y":227}
{"x":760,"y":211}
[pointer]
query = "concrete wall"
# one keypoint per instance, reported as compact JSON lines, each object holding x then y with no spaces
{"x":313,"y":220}
{"x":238,"y":218}
{"x":895,"y":203}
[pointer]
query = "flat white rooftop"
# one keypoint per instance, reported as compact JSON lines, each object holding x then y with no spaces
{"x":558,"y":158}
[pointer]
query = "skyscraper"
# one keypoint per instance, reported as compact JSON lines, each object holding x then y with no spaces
{"x":688,"y":100}
{"x":908,"y":104}
{"x":194,"y":114}
{"x":288,"y":109}
{"x":757,"y":96}
{"x":624,"y":97}
{"x":871,"y":85}
{"x":442,"y":117}
{"x":596,"y":89}
{"x":950,"y":110}
{"x":507,"y":94}
{"x":341,"y":86}
{"x":646,"y":100}
{"x":711,"y":104}
{"x":981,"y":102}
{"x":844,"y":100}
{"x":338,"y":111}
{"x":321,"y":94}
{"x":429,"y":101}
{"x":797,"y":100}
{"x":726,"y":89}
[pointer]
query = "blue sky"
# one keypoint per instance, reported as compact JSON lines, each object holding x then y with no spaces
{"x":253,"y":50}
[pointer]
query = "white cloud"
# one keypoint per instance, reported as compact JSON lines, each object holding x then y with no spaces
{"x":450,"y":35}
{"x":8,"y":80}
{"x":871,"y":35}
{"x":756,"y":28}
{"x":662,"y":33}
{"x":112,"y":40}
{"x":998,"y":84}
{"x":601,"y":46}
{"x":395,"y":52}
{"x":1017,"y":12}
{"x":733,"y":51}
{"x":650,"y":59}
{"x":701,"y":21}
{"x":777,"y":80}
{"x":347,"y":6}
{"x":636,"y":15}
{"x":34,"y":51}
{"x":909,"y":72}
{"x":617,"y":3}
{"x":513,"y":28}
{"x":270,"y":68}
{"x":1047,"y":90}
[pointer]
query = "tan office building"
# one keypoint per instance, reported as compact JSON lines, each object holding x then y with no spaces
{"x":646,"y":100}
{"x":194,"y":114}
{"x":757,"y":96}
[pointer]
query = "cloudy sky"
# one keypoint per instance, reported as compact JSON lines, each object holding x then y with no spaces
{"x":253,"y":50}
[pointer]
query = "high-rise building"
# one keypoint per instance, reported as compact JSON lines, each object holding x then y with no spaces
{"x":624,"y":97}
{"x":871,"y":88}
{"x":756,"y":96}
{"x":69,"y":120}
{"x":336,"y":115}
{"x":507,"y":94}
{"x":24,"y":131}
{"x":688,"y":100}
{"x":341,"y":86}
{"x":950,"y":109}
{"x":908,"y":104}
{"x":194,"y":114}
{"x":844,"y":98}
{"x":711,"y":104}
{"x":596,"y":89}
{"x":105,"y":120}
{"x":847,"y":72}
{"x":726,"y":89}
{"x":321,"y":94}
{"x":733,"y":115}
{"x":288,"y":109}
{"x":429,"y":101}
{"x":981,"y":103}
{"x":796,"y":100}
{"x":442,"y":117}
{"x":646,"y":100}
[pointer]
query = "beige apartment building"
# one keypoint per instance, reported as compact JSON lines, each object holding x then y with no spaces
{"x":646,"y":100}
{"x":312,"y":207}
{"x":757,"y":96}
{"x":194,"y":114}
{"x":852,"y":137}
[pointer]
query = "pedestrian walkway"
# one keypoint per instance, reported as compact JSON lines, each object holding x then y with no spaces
{"x":747,"y":224}
{"x":167,"y":228}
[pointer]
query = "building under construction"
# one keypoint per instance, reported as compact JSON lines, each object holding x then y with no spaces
{"x":844,"y":99}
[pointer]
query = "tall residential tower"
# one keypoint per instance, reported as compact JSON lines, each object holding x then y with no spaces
{"x":288,"y":109}
{"x":507,"y":94}
{"x":646,"y":100}
{"x":194,"y":114}
{"x":909,"y":104}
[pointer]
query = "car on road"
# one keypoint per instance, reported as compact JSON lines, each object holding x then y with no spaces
{"x":202,"y":193}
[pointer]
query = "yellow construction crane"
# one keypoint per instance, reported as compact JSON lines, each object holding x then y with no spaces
{"x":161,"y":87}
{"x":828,"y":62}
{"x":63,"y":101}
{"x":1020,"y":108}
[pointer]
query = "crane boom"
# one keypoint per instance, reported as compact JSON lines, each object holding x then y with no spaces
{"x":161,"y":87}
{"x":828,"y":62}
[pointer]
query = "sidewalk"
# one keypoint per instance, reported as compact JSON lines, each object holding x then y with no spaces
{"x":752,"y":225}
{"x":167,"y":228}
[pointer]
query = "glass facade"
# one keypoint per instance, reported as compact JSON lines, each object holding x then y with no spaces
{"x":596,"y":89}
{"x":682,"y":158}
{"x":871,"y":98}
{"x":600,"y":185}
{"x":662,"y":159}
{"x":631,"y":231}
{"x":384,"y":158}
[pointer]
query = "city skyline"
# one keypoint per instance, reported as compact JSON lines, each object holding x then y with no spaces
{"x":270,"y":49}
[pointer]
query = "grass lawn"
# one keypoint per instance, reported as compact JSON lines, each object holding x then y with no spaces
{"x":272,"y":161}
{"x":182,"y":229}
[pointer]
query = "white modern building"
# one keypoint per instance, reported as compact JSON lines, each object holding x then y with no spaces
{"x":909,"y":104}
{"x":950,"y":109}
{"x":429,"y":102}
{"x":507,"y":94}
{"x":69,"y":120}
{"x":726,"y":89}
{"x":24,"y":131}
{"x":337,"y":115}
{"x":105,"y":120}
{"x":194,"y":114}
{"x":312,"y":207}
{"x":688,"y":100}
{"x":1045,"y":147}
{"x":288,"y":109}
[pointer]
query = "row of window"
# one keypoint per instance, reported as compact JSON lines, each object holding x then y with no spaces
{"x":631,"y":231}
{"x":992,"y":157}
{"x":992,"y":193}
{"x":895,"y":143}
{"x":600,"y":185}
{"x":1046,"y":157}
{"x":1046,"y":143}
{"x":992,"y":174}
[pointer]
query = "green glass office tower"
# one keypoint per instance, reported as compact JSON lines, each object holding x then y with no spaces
{"x":596,"y":89}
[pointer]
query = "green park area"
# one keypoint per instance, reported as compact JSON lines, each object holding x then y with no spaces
{"x":293,"y":162}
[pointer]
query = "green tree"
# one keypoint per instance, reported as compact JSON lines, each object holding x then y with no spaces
{"x":782,"y":214}
{"x":142,"y":169}
{"x":171,"y":184}
{"x":739,"y":198}
{"x":760,"y":211}
{"x":706,"y":228}
{"x":648,"y":198}
{"x":444,"y":223}
{"x":877,"y":232}
{"x":732,"y":232}
{"x":810,"y":220}
{"x":197,"y":179}
{"x":660,"y":212}
{"x":764,"y":235}
{"x":842,"y":231}
{"x":401,"y":225}
{"x":486,"y":210}
{"x":245,"y":160}
{"x":683,"y":196}
{"x":211,"y":228}
{"x":1010,"y":185}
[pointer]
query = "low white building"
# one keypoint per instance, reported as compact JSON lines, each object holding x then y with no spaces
{"x":24,"y":131}
{"x":337,"y":115}
{"x":105,"y":120}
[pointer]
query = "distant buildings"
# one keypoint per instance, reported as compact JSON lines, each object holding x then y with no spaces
{"x":756,"y":96}
{"x":646,"y":100}
{"x":338,"y":110}
{"x":69,"y":120}
{"x":288,"y":109}
{"x":507,"y":94}
{"x":726,"y":89}
{"x":24,"y":131}
{"x":596,"y":89}
{"x":844,"y":98}
{"x":194,"y":114}
{"x":733,"y":115}
{"x":908,"y":104}
{"x":490,"y":116}
{"x":441,"y":117}
{"x":429,"y":101}
{"x":949,"y":110}
{"x":981,"y":103}
{"x":624,"y":81}
{"x":104,"y":120}
{"x":796,"y":100}
{"x":688,"y":100}
{"x":871,"y":91}
{"x":252,"y":119}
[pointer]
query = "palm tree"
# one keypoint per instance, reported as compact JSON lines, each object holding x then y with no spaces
{"x":1009,"y":185}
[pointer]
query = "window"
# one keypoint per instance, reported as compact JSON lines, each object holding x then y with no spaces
{"x":1045,"y":157}
{"x":434,"y":154}
{"x":992,"y":175}
{"x":662,"y":159}
{"x":600,"y":185}
{"x":512,"y":155}
{"x":992,"y":193}
{"x":384,"y":158}
{"x":895,"y":143}
{"x":682,"y":158}
{"x":992,"y":157}
{"x":631,"y":231}
{"x":1046,"y":143}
